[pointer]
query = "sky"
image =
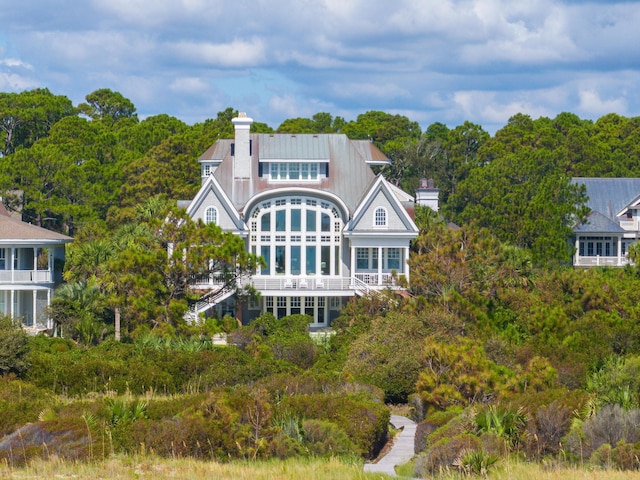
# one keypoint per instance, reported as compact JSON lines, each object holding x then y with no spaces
{"x":445,"y":61}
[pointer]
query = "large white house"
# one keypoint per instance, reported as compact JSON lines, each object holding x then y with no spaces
{"x":613,"y":224}
{"x":326,"y":226}
{"x":31,"y":261}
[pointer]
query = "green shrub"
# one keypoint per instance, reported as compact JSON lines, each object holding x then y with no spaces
{"x":324,"y":438}
{"x":445,"y":454}
{"x":364,"y":421}
{"x":14,"y":347}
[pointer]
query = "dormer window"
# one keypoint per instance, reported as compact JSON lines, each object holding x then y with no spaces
{"x":380,"y":217}
{"x":211,"y":215}
{"x":295,"y":171}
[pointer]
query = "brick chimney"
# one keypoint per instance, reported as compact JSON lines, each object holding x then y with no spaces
{"x":242,"y":147}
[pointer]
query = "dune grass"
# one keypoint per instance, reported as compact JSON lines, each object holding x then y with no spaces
{"x":125,"y":468}
{"x":140,"y":467}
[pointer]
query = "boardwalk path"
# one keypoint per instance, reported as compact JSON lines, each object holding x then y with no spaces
{"x":402,"y":450}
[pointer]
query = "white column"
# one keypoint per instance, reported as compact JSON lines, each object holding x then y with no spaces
{"x":13,"y":261}
{"x":12,"y":309}
{"x":49,"y":321}
{"x":620,"y":250}
{"x":380,"y":259}
{"x":577,"y":255}
{"x":34,"y":308}
{"x":352,"y":267}
{"x":406,"y":263}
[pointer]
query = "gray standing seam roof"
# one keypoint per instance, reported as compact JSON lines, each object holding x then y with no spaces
{"x":609,"y":195}
{"x":349,"y":174}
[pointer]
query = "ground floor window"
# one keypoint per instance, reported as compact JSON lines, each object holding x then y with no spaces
{"x":598,"y":246}
{"x":315,"y":307}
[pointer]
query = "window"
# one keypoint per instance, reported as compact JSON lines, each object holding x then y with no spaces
{"x":393,"y":258}
{"x":295,"y":171}
{"x":380,"y":217}
{"x":362,"y":258}
{"x":3,"y":259}
{"x":206,"y":170}
{"x":286,"y":236}
{"x":211,"y":215}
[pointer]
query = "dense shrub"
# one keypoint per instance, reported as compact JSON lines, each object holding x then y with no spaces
{"x":364,"y":421}
{"x":545,"y":429}
{"x":609,"y":425}
{"x":63,"y":438}
{"x":14,"y":347}
{"x":445,"y":454}
{"x":623,"y":456}
{"x":20,"y":403}
{"x":324,"y":438}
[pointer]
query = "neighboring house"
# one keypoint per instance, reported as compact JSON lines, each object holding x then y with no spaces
{"x":30,"y":267}
{"x":326,"y":226}
{"x":612,"y":225}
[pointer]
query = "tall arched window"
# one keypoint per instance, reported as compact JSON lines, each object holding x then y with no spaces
{"x":297,"y":236}
{"x":380,"y":217}
{"x":211,"y":215}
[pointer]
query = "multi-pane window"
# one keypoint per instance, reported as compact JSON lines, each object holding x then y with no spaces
{"x":380,"y":217}
{"x":296,"y":170}
{"x":3,"y":259}
{"x":211,"y":215}
{"x":602,"y":246}
{"x":393,"y":258}
{"x":297,"y":249}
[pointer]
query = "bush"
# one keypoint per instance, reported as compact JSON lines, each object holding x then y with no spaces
{"x":14,"y":347}
{"x":445,"y":454}
{"x":324,"y":438}
{"x":364,"y":421}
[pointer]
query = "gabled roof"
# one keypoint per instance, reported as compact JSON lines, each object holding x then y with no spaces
{"x":16,"y":231}
{"x":392,"y":194}
{"x":598,"y":223}
{"x":610,"y":196}
{"x":212,"y":185}
{"x":349,"y":173}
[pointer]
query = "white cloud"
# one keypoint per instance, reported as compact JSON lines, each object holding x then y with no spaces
{"x":238,"y":53}
{"x":592,"y":104}
{"x":189,"y":85}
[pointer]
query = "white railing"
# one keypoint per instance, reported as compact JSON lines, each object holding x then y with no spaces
{"x":25,"y":276}
{"x":382,"y":280}
{"x":600,"y":261}
{"x":301,"y":283}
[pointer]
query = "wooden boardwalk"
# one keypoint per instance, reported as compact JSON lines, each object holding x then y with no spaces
{"x":402,"y":450}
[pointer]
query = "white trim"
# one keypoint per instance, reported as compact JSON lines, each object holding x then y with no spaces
{"x":383,"y":217}
{"x":215,"y":218}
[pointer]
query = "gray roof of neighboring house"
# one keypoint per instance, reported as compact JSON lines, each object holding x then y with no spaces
{"x":609,"y":195}
{"x":349,"y":174}
{"x":598,"y":223}
{"x":13,"y":230}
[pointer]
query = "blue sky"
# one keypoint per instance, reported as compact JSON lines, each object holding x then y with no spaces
{"x":431,"y":60}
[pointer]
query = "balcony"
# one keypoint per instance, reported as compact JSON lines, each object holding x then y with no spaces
{"x":25,"y":276}
{"x":600,"y":261}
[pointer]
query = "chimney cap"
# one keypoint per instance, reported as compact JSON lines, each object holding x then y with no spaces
{"x":242,"y":120}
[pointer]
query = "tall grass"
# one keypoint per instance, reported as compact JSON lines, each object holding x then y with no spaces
{"x":136,"y":467}
{"x":125,"y":468}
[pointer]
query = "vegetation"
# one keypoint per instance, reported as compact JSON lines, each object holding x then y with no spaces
{"x":501,"y":350}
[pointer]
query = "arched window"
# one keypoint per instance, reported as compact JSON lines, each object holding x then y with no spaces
{"x":297,"y":236}
{"x":211,"y":215}
{"x":380,"y":217}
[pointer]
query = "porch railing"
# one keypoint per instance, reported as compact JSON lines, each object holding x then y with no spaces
{"x":600,"y":261}
{"x":25,"y":276}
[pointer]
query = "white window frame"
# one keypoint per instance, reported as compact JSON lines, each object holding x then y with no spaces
{"x":211,"y":215}
{"x":380,"y":218}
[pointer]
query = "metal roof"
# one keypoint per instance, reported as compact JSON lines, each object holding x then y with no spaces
{"x":349,"y":174}
{"x":609,"y":195}
{"x":598,"y":223}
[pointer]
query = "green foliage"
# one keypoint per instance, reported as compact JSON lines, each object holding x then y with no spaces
{"x":504,"y":422}
{"x":14,"y":347}
{"x":384,"y":357}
